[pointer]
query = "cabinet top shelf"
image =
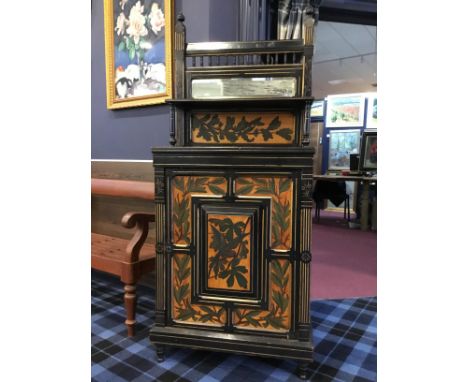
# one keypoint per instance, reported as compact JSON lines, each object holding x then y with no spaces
{"x":277,"y":101}
{"x":243,"y":47}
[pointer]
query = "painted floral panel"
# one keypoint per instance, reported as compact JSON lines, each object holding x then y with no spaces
{"x":278,"y":316}
{"x":229,"y":238}
{"x":183,"y":187}
{"x":241,"y":127}
{"x":182,"y":308}
{"x":280,"y":190}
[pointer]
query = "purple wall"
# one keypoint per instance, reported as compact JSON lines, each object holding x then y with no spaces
{"x":131,"y":133}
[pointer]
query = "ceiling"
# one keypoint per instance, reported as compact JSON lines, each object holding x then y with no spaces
{"x":345,"y":59}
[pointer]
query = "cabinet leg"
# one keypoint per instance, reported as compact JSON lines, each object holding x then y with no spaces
{"x":160,"y":353}
{"x":303,"y":370}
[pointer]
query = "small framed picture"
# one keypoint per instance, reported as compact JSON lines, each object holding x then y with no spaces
{"x":345,"y":110}
{"x":317,"y":109}
{"x":371,"y":114}
{"x":368,"y":156}
{"x":342,"y":143}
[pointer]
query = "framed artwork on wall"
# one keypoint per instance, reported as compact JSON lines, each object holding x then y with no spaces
{"x":342,"y":143}
{"x":317,"y":109}
{"x":368,"y":156}
{"x":371,"y":115}
{"x":345,"y":110}
{"x":138,"y":50}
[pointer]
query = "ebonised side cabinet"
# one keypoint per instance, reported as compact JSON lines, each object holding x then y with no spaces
{"x":233,"y":200}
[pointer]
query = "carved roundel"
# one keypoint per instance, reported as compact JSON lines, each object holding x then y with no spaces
{"x":306,"y":256}
{"x":159,"y":247}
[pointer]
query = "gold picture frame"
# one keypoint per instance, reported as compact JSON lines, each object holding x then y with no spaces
{"x":138,"y":51}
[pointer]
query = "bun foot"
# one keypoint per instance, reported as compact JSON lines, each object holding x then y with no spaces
{"x":160,"y":353}
{"x":303,"y":370}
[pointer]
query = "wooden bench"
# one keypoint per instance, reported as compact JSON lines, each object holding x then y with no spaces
{"x":127,"y":259}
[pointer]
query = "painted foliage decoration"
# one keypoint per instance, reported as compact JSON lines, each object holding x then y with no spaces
{"x":280,"y":190}
{"x":229,"y":252}
{"x":278,"y":316}
{"x":272,"y":128}
{"x":182,"y":189}
{"x":182,"y":308}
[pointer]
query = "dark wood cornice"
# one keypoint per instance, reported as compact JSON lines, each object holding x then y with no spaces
{"x":347,"y":16}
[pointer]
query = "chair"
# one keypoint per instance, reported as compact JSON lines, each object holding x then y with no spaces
{"x":127,"y":259}
{"x":333,"y":191}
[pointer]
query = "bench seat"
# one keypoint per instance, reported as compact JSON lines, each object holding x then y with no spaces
{"x":108,"y":255}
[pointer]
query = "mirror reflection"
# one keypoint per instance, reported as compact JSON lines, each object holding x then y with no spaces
{"x":244,"y":87}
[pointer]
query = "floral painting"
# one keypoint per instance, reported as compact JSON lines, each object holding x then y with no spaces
{"x":342,"y":143}
{"x":345,"y":111}
{"x":369,"y":151}
{"x":138,"y":50}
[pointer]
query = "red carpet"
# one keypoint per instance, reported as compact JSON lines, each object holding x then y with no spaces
{"x":344,"y":260}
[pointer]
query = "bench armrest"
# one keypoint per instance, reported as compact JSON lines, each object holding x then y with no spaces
{"x":141,"y":221}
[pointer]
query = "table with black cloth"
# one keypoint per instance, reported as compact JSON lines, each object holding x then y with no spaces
{"x":333,"y":188}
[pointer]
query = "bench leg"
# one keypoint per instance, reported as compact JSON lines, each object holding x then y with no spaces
{"x":130,"y":304}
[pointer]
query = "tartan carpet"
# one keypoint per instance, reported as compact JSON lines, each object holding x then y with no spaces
{"x":344,"y":337}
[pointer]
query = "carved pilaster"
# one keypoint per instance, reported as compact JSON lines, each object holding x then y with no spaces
{"x":160,"y":223}
{"x":172,"y":132}
{"x":177,"y":116}
{"x":306,"y":127}
{"x":305,"y":257}
{"x":308,"y":35}
{"x":179,"y":57}
{"x":304,"y":275}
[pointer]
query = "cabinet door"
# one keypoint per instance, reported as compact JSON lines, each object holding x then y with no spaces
{"x":232,"y":239}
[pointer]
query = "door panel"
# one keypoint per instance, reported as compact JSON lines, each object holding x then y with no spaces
{"x":232,"y":238}
{"x":229,"y":252}
{"x":278,"y":316}
{"x":280,"y":191}
{"x":183,"y":188}
{"x":183,"y":310}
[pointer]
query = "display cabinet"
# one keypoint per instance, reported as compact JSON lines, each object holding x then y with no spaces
{"x":233,"y":200}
